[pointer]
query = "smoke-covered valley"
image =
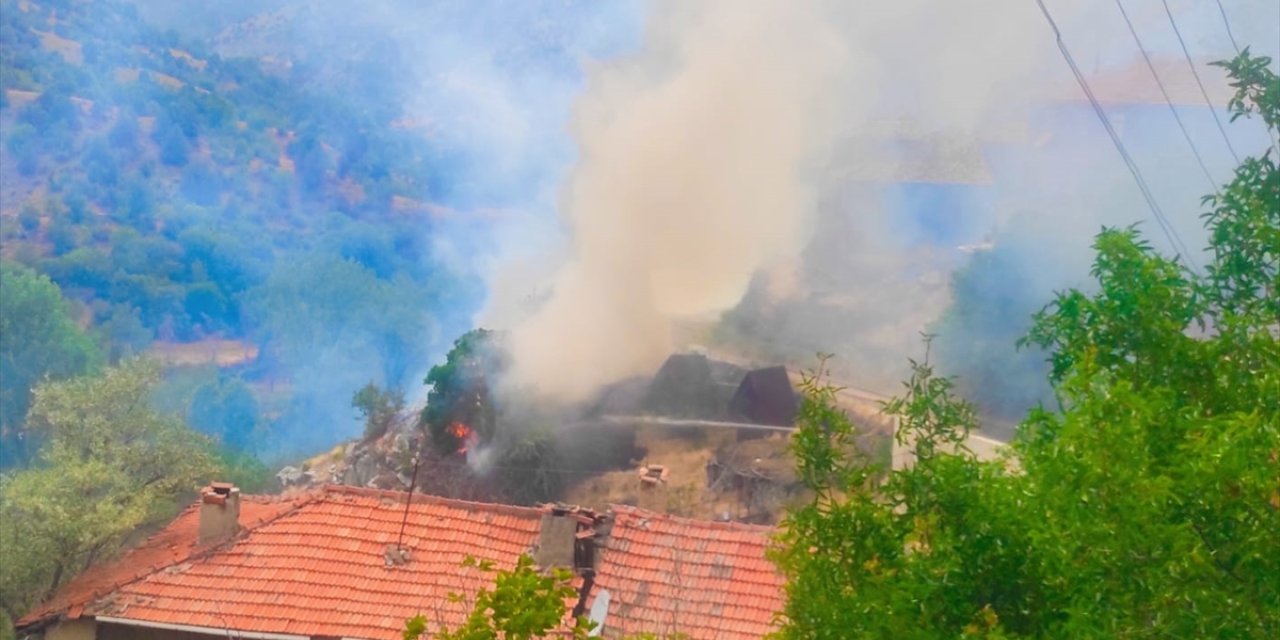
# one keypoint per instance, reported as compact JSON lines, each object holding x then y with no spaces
{"x":793,"y":178}
{"x":608,"y":182}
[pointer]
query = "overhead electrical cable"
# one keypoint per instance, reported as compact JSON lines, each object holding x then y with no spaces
{"x":1169,"y":232}
{"x":1227,"y":24}
{"x":1187,"y":54}
{"x":1167,"y":100}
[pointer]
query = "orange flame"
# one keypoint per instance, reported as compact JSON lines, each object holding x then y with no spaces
{"x":464,"y":434}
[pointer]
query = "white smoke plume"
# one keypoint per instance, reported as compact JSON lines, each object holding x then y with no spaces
{"x":690,"y":179}
{"x":740,"y":128}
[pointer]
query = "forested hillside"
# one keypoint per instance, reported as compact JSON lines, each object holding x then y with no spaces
{"x":180,"y":196}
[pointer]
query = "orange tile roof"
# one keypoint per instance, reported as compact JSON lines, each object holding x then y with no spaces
{"x":708,"y":580}
{"x":174,"y":544}
{"x":314,"y":565}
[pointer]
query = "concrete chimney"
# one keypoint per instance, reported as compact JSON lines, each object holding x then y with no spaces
{"x":219,"y":512}
{"x":567,"y":538}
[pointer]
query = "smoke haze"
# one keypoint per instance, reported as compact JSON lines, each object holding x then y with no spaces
{"x":796,"y":175}
{"x":809,"y":167}
{"x":689,"y":181}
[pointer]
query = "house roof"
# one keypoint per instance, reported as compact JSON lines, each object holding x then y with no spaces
{"x":703,"y":579}
{"x":173,"y":545}
{"x":313,"y":565}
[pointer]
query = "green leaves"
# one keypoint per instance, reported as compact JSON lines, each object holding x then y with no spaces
{"x":1257,"y":88}
{"x":931,"y":415}
{"x":38,"y":338}
{"x":380,"y":408}
{"x":921,"y":554}
{"x":459,"y":390}
{"x":523,"y":604}
{"x":109,"y":466}
{"x":1147,"y":507}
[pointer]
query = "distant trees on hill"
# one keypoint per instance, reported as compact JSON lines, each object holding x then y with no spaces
{"x":181,"y":196}
{"x":39,"y":339}
{"x":222,"y":170}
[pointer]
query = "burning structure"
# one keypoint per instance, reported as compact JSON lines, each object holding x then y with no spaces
{"x":680,"y":429}
{"x":765,"y":396}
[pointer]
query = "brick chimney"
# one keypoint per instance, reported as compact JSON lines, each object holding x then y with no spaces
{"x":219,"y":512}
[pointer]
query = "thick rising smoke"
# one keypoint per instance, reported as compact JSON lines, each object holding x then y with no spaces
{"x":691,"y":178}
{"x":826,"y":159}
{"x":488,"y":85}
{"x":809,"y":166}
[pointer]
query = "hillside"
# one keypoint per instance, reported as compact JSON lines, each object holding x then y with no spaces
{"x":182,"y":196}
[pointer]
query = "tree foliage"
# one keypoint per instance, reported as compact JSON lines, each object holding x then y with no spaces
{"x":530,"y":467}
{"x":992,"y":300}
{"x":460,"y":391}
{"x":1146,"y":507}
{"x":523,"y":604}
{"x":38,"y":339}
{"x":191,"y":141}
{"x":225,"y":409}
{"x":380,"y":409}
{"x":109,"y":466}
{"x":325,"y":304}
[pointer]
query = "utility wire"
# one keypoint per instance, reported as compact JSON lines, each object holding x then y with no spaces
{"x":1167,"y":100}
{"x":408,"y":500}
{"x":1169,"y":232}
{"x":1227,"y":24}
{"x":1187,"y":54}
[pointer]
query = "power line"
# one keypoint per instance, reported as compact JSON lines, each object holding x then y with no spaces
{"x":1187,"y":54}
{"x":408,"y":499}
{"x":1169,"y":232}
{"x":1227,"y":24}
{"x":1172,"y":109}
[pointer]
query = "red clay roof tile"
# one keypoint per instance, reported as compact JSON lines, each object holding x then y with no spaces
{"x":315,"y":565}
{"x":173,"y":545}
{"x":708,"y":580}
{"x":312,"y":565}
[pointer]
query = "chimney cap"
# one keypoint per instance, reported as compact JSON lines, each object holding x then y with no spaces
{"x":224,"y":488}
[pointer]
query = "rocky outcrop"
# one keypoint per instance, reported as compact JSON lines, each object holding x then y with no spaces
{"x":384,"y":463}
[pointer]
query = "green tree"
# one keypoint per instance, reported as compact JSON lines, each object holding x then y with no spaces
{"x":174,"y":145}
{"x":380,"y":409}
{"x":244,"y":470}
{"x":38,"y":339}
{"x":225,"y":409}
{"x":992,"y":300}
{"x":327,"y":303}
{"x":1146,"y":507}
{"x":109,"y":466}
{"x":63,"y":235}
{"x":530,"y":467}
{"x":524,"y":604}
{"x":459,"y":390}
{"x":122,"y":333}
{"x":24,"y":144}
